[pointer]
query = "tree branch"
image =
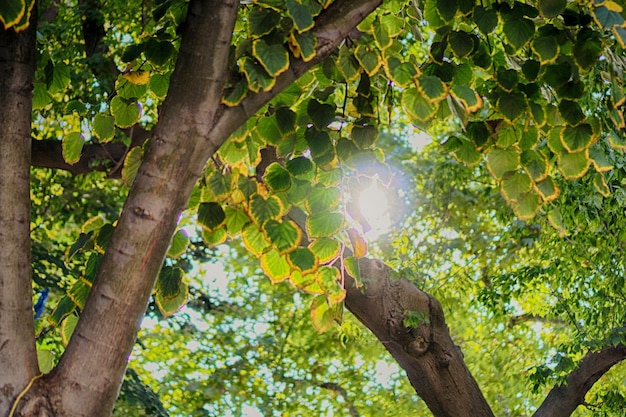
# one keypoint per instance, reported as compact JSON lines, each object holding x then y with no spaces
{"x":433,"y":363}
{"x":564,"y":399}
{"x":18,"y":357}
{"x":343,"y":393}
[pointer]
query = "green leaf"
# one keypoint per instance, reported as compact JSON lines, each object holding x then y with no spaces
{"x":303,"y":45}
{"x":264,"y":209}
{"x":254,"y":240}
{"x":535,"y":164}
{"x":285,"y":120}
{"x":433,"y":89}
{"x":257,"y":76}
{"x":220,"y":185}
{"x":368,"y":58}
{"x":261,"y":21}
{"x":78,"y":293}
{"x":268,"y":130}
{"x":461,"y":43}
{"x":573,"y":165}
{"x":132,"y":52}
{"x":600,"y":184}
{"x":169,"y":306}
{"x":131,"y":165}
{"x":319,"y":142}
{"x":599,"y":158}
{"x":67,"y":328}
{"x":125,"y":112}
{"x":470,"y":99}
{"x":273,"y":57}
{"x":63,"y":308}
{"x":446,"y":9}
{"x":325,"y":249}
{"x":556,"y":220}
{"x":322,"y":315}
{"x":235,"y":220}
{"x":41,"y":97}
{"x":300,"y":166}
{"x":11,"y":12}
{"x":320,"y":113}
{"x":323,"y":224}
{"x":322,"y":199}
{"x":159,"y":84}
{"x":401,"y":73}
{"x":179,"y":244}
{"x":158,"y":52}
{"x":285,"y":235}
{"x":515,"y":187}
{"x":302,"y":259}
{"x":606,"y":14}
{"x":275,"y":266}
{"x":169,"y":282}
{"x":518,"y":31}
{"x":211,"y":215}
{"x":529,"y":138}
{"x":512,"y":105}
{"x":417,"y":105}
{"x":527,"y":207}
{"x":587,"y":49}
{"x":363,"y":136}
{"x":45,"y":359}
{"x":577,"y":138}
{"x":103,"y":127}
{"x":214,"y":237}
{"x":551,"y":8}
{"x":72,"y":146}
{"x":547,"y":189}
{"x":277,"y":178}
{"x":103,"y":236}
{"x":485,"y":19}
{"x":571,"y":112}
{"x":300,"y":14}
{"x":502,"y":161}
{"x":547,"y":47}
{"x":329,"y":279}
{"x":347,"y":64}
{"x":467,"y":153}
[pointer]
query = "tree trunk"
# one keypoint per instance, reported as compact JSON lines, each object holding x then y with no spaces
{"x":433,"y":363}
{"x":18,"y":357}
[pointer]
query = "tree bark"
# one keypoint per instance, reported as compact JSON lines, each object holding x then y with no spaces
{"x":18,"y":357}
{"x":433,"y":363}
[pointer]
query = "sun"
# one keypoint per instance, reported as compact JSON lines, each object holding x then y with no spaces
{"x":371,"y":210}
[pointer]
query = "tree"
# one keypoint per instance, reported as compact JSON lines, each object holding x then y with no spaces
{"x":268,"y":110}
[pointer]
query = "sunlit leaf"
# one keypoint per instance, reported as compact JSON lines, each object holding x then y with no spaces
{"x":302,"y":259}
{"x":329,"y":279}
{"x":321,"y":314}
{"x":169,"y":282}
{"x":600,"y":183}
{"x":254,"y":240}
{"x":235,"y":219}
{"x":103,"y":127}
{"x":325,"y":249}
{"x":599,"y":158}
{"x":467,"y":153}
{"x":417,"y":105}
{"x":125,"y":112}
{"x":347,"y":64}
{"x":277,"y":178}
{"x":139,"y":77}
{"x":179,"y":244}
{"x":169,"y":306}
{"x":368,"y":58}
{"x":432,"y":88}
{"x":285,"y":235}
{"x":323,"y":224}
{"x":257,"y":77}
{"x":72,"y":145}
{"x":275,"y":266}
{"x":322,"y":199}
{"x":303,"y":45}
{"x":67,"y":328}
{"x":131,"y":165}
{"x":264,"y":209}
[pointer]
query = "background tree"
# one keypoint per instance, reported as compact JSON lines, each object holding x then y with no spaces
{"x":254,"y":120}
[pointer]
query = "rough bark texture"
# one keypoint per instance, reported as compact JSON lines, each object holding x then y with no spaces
{"x":18,"y":358}
{"x":433,"y":363}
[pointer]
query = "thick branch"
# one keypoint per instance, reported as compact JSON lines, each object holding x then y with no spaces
{"x":107,"y":157}
{"x":18,"y":358}
{"x":564,"y":399}
{"x":106,"y":331}
{"x":433,"y":363}
{"x":332,"y":26}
